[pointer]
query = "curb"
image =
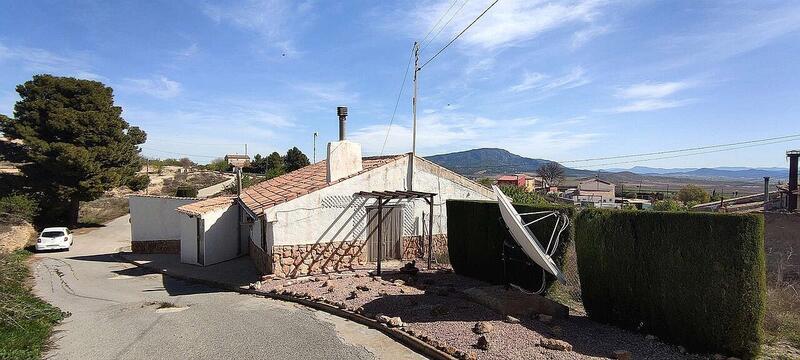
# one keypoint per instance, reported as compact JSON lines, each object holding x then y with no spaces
{"x":404,"y":338}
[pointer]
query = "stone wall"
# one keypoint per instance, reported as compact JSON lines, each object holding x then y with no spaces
{"x":156,"y":247}
{"x":416,"y":247}
{"x":261,"y":259}
{"x":301,"y":260}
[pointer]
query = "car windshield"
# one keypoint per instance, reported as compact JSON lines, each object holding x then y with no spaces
{"x":52,"y":234}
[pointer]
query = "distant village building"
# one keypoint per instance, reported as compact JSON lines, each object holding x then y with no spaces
{"x":238,"y":160}
{"x":594,"y":190}
{"x":518,"y":180}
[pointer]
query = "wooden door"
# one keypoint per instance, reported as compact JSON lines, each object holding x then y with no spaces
{"x":391,"y":232}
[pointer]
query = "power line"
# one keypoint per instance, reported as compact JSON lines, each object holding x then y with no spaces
{"x":178,"y":153}
{"x":160,"y":140}
{"x":425,"y":45}
{"x":752,"y":143}
{"x":696,"y":153}
{"x":439,"y":21}
{"x":399,"y":94}
{"x":459,"y":35}
{"x":680,"y":150}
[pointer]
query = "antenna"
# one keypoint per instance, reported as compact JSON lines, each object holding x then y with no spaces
{"x":315,"y":146}
{"x":414,"y":126}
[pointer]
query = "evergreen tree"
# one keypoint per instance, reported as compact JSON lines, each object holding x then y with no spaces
{"x":275,"y":165}
{"x":295,"y":159}
{"x":77,"y":145}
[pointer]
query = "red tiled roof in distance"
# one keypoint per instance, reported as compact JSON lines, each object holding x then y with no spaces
{"x":269,"y":193}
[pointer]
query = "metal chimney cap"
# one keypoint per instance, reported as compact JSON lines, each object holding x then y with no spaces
{"x":341,"y":110}
{"x":793,"y":153}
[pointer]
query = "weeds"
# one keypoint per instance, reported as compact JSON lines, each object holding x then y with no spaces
{"x":25,"y":320}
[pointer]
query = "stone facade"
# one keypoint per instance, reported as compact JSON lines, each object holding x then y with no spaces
{"x":156,"y":247}
{"x":261,"y":259}
{"x":416,"y":247}
{"x":300,"y":260}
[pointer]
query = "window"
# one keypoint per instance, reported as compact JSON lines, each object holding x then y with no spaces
{"x":52,"y":234}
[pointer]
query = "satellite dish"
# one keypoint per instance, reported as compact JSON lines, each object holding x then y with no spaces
{"x":527,"y":240}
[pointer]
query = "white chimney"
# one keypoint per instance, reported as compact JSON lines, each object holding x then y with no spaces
{"x":344,"y":157}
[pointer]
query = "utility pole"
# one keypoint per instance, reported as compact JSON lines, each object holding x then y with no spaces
{"x":414,"y":111}
{"x":315,"y":146}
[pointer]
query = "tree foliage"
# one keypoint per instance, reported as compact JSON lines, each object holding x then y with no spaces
{"x":552,"y":172}
{"x":275,"y":165}
{"x":668,"y":205}
{"x":77,"y":145}
{"x":295,"y":159}
{"x":138,"y":182}
{"x":219,"y":164}
{"x":693,"y":194}
{"x":519,"y":195}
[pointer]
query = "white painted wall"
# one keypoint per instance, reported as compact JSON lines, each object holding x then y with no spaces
{"x":155,"y":218}
{"x":188,"y":239}
{"x":344,"y":159}
{"x":221,"y":234}
{"x":334,"y":214}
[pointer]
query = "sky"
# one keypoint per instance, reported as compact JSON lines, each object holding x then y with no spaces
{"x":544,"y":79}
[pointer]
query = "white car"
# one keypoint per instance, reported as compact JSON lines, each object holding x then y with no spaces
{"x":54,"y":238}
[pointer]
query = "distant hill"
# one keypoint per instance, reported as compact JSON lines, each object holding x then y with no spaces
{"x":724,"y":172}
{"x":488,"y":162}
{"x":492,"y":161}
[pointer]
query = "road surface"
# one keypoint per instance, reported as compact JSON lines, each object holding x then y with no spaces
{"x":122,"y":312}
{"x":215,"y":189}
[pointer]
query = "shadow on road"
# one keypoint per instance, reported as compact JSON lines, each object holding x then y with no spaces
{"x":173,"y":286}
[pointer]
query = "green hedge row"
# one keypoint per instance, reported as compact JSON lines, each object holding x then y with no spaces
{"x":696,"y":279}
{"x":475,"y":236}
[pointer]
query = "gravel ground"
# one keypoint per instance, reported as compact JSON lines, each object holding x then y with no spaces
{"x":431,"y":303}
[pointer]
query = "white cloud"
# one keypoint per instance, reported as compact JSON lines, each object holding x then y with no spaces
{"x":653,"y":90}
{"x":510,"y":21}
{"x":276,"y":21}
{"x":583,"y":36}
{"x":651,"y":96}
{"x":651,"y":105}
{"x":449,"y":131}
{"x":546,"y":83}
{"x":160,"y":87}
{"x":733,"y":31}
{"x":37,"y":60}
{"x":329,"y":92}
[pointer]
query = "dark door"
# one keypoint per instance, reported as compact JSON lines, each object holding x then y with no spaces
{"x":391,"y":233}
{"x":201,"y":246}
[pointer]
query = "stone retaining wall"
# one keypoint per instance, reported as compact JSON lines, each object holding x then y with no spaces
{"x":416,"y":246}
{"x":156,"y":247}
{"x":301,"y":260}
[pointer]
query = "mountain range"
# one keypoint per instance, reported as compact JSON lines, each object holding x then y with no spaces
{"x":493,"y":161}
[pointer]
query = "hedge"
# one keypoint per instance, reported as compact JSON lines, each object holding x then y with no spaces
{"x":697,"y":279}
{"x":475,"y":236}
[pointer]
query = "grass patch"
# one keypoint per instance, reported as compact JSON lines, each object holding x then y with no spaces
{"x":102,"y":210}
{"x":782,"y":320}
{"x":25,"y":320}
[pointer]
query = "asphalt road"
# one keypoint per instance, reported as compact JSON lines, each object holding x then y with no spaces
{"x":122,"y":312}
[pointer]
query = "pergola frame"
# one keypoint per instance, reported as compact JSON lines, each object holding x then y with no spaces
{"x":383,"y":198}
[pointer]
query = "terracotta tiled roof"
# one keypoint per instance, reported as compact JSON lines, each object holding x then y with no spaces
{"x":204,"y":206}
{"x":300,"y":182}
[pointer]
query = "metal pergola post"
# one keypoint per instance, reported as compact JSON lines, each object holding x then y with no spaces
{"x":380,"y":235}
{"x":383,"y":198}
{"x":430,"y":232}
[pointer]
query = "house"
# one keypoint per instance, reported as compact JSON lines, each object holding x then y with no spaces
{"x":535,"y":183}
{"x":238,"y":160}
{"x":594,"y":190}
{"x":518,"y":180}
{"x":315,"y":220}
